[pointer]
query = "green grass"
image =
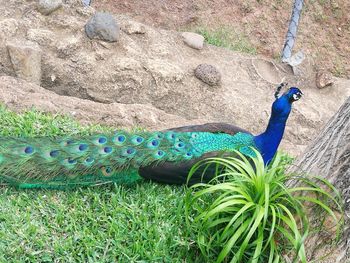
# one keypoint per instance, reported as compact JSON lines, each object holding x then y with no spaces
{"x":142,"y":222}
{"x":97,"y":224}
{"x":227,"y":38}
{"x":36,"y":123}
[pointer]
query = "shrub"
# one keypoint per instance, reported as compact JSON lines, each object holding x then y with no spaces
{"x":247,"y":213}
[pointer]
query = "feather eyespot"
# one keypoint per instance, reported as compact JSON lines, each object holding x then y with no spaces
{"x":108,"y":149}
{"x":121,"y":138}
{"x":29,"y":150}
{"x":137,"y":140}
{"x":155,"y":142}
{"x":107,"y":170}
{"x":70,"y":142}
{"x":71,"y":161}
{"x":160,"y":135}
{"x":102,"y":140}
{"x":180,"y":145}
{"x":54,"y":153}
{"x":83,"y":147}
{"x":130,"y":150}
{"x":89,"y":160}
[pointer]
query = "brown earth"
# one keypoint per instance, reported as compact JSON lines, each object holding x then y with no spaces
{"x":324,"y":31}
{"x":148,"y":79}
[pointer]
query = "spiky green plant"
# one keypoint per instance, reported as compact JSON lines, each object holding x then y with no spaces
{"x":247,"y":213}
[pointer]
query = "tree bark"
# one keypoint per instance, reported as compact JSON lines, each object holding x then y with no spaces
{"x":329,"y":156}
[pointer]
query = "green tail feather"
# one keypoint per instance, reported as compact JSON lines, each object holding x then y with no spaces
{"x":45,"y":162}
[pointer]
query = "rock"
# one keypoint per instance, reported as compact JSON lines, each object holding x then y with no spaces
{"x":18,"y":94}
{"x":26,"y":61}
{"x":46,"y":7}
{"x":8,"y":27}
{"x":41,"y":36}
{"x":193,"y":40}
{"x":134,"y":28}
{"x":86,"y":2}
{"x":323,"y":79}
{"x":208,"y":74}
{"x":102,"y":26}
{"x":67,"y":47}
{"x":86,"y":11}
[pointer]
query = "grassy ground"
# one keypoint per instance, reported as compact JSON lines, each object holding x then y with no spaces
{"x":143,"y":222}
{"x":227,"y":38}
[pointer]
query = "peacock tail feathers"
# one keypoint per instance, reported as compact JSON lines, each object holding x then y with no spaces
{"x":100,"y":158}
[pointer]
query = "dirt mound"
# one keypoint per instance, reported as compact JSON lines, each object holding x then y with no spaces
{"x":324,"y":31}
{"x":147,"y":77}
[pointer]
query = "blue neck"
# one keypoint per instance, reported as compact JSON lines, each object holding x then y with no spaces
{"x":268,"y":142}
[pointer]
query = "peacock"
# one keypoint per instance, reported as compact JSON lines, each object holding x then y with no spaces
{"x":122,"y":157}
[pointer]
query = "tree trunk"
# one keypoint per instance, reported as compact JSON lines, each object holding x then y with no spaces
{"x":329,"y":156}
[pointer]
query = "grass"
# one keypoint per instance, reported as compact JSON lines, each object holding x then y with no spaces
{"x":99,"y":224}
{"x":142,"y":222}
{"x":227,"y":38}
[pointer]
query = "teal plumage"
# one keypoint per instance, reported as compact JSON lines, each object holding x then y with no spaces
{"x":54,"y":162}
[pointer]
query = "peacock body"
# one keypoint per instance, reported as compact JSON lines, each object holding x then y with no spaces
{"x":119,"y":157}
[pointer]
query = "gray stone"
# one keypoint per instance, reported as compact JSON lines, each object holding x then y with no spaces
{"x":46,"y":7}
{"x":86,"y":2}
{"x":208,"y":74}
{"x":103,"y":26}
{"x":193,"y":40}
{"x":26,"y":61}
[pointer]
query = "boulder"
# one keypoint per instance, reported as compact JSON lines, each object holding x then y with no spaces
{"x":323,"y":79}
{"x":208,"y":74}
{"x":26,"y":60}
{"x":102,"y":26}
{"x":193,"y":40}
{"x":46,"y":7}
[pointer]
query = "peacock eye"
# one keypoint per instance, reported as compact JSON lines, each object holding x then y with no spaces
{"x":108,"y":149}
{"x":29,"y":150}
{"x":83,"y":147}
{"x":130,"y":150}
{"x":54,"y":153}
{"x":107,"y":171}
{"x":89,"y":160}
{"x":102,"y":140}
{"x":121,"y":138}
{"x":155,"y":142}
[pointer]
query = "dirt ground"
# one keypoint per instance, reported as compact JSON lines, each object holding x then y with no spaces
{"x":147,"y":79}
{"x":324,"y":32}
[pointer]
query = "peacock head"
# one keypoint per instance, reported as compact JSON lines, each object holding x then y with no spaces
{"x":293,"y":94}
{"x":283,"y":104}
